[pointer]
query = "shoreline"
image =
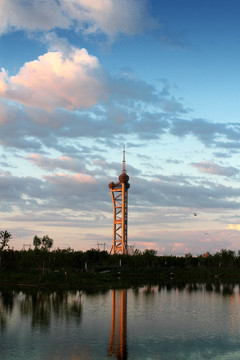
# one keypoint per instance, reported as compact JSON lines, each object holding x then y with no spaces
{"x":115,"y":280}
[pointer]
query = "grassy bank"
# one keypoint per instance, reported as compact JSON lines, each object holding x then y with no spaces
{"x":113,"y":278}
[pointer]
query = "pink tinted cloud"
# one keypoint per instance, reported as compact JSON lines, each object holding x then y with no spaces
{"x":148,"y":245}
{"x":63,"y":162}
{"x":3,"y":78}
{"x":212,"y":168}
{"x":55,"y":81}
{"x":182,"y":242}
{"x":68,"y":179}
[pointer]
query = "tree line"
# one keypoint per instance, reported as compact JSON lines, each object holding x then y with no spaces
{"x":61,"y":263}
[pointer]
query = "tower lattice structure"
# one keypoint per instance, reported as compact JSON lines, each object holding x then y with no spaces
{"x":119,"y":194}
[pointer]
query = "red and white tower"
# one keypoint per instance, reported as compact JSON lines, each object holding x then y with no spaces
{"x":119,"y":193}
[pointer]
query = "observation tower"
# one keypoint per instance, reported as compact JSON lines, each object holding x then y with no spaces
{"x":119,"y":194}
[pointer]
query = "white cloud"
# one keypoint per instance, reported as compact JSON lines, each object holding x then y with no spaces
{"x":31,"y":15}
{"x":110,"y":16}
{"x":54,"y":81}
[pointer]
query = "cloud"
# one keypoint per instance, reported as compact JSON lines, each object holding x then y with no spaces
{"x":212,"y":168}
{"x":19,"y":192}
{"x":31,"y":15}
{"x":109,"y":17}
{"x":77,"y":192}
{"x":119,"y":105}
{"x":219,"y":154}
{"x":68,"y":180}
{"x":78,"y":82}
{"x":179,"y":191}
{"x":173,"y":41}
{"x":202,"y":129}
{"x":53,"y":81}
{"x":18,"y":129}
{"x":89,"y":189}
{"x":174,"y":161}
{"x":234,"y":227}
{"x":223,"y":135}
{"x":63,"y":162}
{"x":122,"y":106}
{"x":120,"y":114}
{"x":55,"y":191}
{"x":181,"y":242}
{"x":3,"y":78}
{"x":80,"y":200}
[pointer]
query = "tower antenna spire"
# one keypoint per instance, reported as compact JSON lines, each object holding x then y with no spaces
{"x":124,"y":161}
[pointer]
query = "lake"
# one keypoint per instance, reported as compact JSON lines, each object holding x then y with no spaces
{"x":188,"y":321}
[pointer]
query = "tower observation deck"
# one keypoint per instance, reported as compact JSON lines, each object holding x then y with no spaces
{"x":119,"y":194}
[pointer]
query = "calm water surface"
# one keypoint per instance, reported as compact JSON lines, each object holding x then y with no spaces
{"x":159,"y":322}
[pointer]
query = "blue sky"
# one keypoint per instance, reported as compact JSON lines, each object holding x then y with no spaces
{"x":81,"y":78}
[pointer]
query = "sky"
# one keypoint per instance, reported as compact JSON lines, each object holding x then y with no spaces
{"x":79,"y":79}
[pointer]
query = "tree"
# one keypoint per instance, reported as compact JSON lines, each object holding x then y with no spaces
{"x":41,"y":248}
{"x":149,"y":257}
{"x":5,"y":236}
{"x":226,"y":257}
{"x":44,"y":244}
{"x":137,"y":252}
{"x":150,"y":252}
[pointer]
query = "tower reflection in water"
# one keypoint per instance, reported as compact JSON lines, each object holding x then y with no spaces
{"x":118,"y":339}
